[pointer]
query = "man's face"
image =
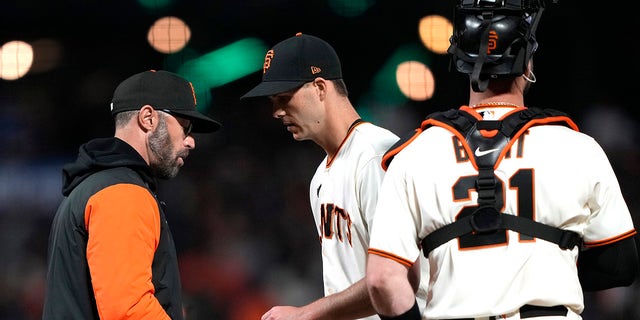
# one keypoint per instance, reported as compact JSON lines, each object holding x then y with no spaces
{"x":169,"y":145}
{"x":300,"y":111}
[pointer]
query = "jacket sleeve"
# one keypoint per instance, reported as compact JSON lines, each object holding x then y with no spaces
{"x":613,"y":265}
{"x":123,"y":222}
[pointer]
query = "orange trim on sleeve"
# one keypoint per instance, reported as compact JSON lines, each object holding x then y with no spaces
{"x":123,"y":222}
{"x":388,"y":156}
{"x":605,"y":242}
{"x":391,"y":256}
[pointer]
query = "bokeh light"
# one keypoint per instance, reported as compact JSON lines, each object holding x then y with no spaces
{"x":169,"y":35}
{"x":155,"y":4}
{"x":415,"y":80}
{"x":435,"y":32}
{"x":239,"y":209}
{"x":16,"y":58}
{"x":350,"y":8}
{"x":222,"y":66}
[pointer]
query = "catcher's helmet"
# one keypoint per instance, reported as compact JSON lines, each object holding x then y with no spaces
{"x":494,"y":38}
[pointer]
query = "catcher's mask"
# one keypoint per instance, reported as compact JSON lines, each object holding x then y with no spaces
{"x":494,"y":38}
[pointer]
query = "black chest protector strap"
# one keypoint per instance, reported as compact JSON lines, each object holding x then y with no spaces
{"x":486,"y":151}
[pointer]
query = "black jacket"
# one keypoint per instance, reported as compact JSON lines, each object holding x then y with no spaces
{"x":111,"y":252}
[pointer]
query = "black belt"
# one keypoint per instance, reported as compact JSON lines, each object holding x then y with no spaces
{"x":529,"y":311}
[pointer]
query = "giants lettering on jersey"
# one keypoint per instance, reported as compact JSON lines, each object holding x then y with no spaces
{"x":334,"y":221}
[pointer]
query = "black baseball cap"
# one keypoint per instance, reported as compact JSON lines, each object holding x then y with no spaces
{"x":163,"y":90}
{"x":295,"y":61}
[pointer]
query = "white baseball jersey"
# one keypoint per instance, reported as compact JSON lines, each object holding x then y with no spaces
{"x":553,"y":174}
{"x":343,"y":195}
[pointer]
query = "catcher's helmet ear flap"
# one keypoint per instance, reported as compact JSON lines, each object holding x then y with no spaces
{"x":494,"y":38}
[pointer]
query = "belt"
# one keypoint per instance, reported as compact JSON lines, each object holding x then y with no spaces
{"x":530,"y":311}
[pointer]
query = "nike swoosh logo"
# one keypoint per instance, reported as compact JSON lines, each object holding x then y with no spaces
{"x":480,"y":153}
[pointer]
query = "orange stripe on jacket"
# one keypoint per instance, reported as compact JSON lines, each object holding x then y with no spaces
{"x":123,"y":222}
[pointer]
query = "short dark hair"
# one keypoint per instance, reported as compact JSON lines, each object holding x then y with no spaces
{"x":122,"y":118}
{"x":341,"y":87}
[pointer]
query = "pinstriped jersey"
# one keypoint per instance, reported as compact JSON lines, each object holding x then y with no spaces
{"x":343,"y":194}
{"x":552,"y":174}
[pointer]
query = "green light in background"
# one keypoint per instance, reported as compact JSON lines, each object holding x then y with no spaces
{"x":155,"y":4}
{"x":221,"y":66}
{"x":227,"y":64}
{"x":384,"y":92}
{"x":350,"y":8}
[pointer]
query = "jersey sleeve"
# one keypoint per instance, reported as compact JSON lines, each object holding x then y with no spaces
{"x":394,"y":233}
{"x":123,"y":222}
{"x":610,"y":220}
{"x":368,"y":181}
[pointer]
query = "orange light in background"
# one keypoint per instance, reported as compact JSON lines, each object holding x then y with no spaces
{"x":169,"y":35}
{"x":16,"y":58}
{"x":435,"y":32}
{"x":415,"y":80}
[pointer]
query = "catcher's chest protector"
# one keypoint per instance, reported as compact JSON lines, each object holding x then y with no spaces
{"x":482,"y":139}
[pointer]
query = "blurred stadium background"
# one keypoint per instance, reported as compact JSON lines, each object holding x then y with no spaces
{"x":239,"y":209}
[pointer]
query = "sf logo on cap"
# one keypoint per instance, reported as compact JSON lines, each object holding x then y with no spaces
{"x":267,"y":60}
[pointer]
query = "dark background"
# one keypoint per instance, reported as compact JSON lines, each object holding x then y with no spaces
{"x":239,"y":209}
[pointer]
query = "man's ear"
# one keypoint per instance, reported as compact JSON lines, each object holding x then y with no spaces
{"x":529,"y":76}
{"x":147,"y":118}
{"x":321,"y":84}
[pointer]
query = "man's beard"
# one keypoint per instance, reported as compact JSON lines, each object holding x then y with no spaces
{"x":164,"y":162}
